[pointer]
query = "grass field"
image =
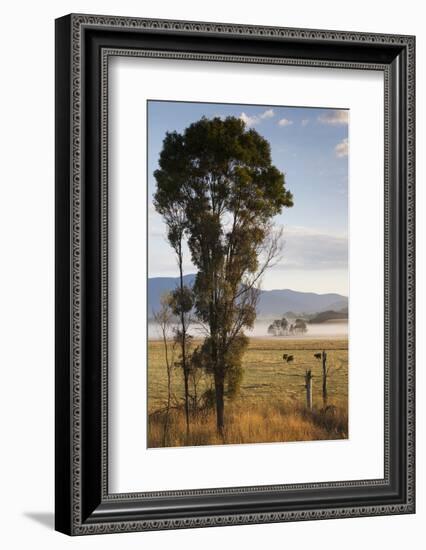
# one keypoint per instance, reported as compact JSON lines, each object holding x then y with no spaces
{"x":271,"y":405}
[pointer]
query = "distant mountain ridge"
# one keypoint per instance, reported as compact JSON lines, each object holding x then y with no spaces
{"x":272,"y":303}
{"x":157,"y":286}
{"x":330,"y":315}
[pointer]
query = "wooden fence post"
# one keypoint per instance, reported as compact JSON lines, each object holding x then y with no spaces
{"x":324,"y":378}
{"x":308,"y":386}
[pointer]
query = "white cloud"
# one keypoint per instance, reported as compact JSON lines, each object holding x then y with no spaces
{"x":285,"y":122}
{"x":156,"y":225}
{"x":256,"y":119}
{"x":249,"y":120}
{"x":267,"y":114}
{"x":309,"y":249}
{"x":312,"y":260}
{"x":334,"y":117}
{"x":342,"y":148}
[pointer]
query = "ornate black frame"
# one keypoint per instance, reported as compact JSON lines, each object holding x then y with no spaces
{"x":83,"y":46}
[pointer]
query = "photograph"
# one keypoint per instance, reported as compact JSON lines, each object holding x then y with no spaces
{"x":248,"y":273}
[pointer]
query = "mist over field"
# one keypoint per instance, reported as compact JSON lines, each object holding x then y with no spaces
{"x":329,"y":330}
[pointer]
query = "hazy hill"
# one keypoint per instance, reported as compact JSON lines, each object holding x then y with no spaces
{"x":272,"y":303}
{"x":330,"y":315}
{"x":276,"y":302}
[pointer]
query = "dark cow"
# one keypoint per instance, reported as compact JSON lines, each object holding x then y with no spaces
{"x":285,"y":356}
{"x":317,"y":355}
{"x":290,"y":358}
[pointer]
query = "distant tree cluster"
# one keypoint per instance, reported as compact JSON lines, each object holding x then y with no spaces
{"x":282,"y":327}
{"x":299,"y":326}
{"x":279,"y":327}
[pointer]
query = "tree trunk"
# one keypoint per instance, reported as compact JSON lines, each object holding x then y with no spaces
{"x":183,"y":342}
{"x":220,"y":406}
{"x":219,"y":375}
{"x":195,"y":403}
{"x":324,"y":378}
{"x":185,"y":379}
{"x":169,"y":396}
{"x":169,"y":385}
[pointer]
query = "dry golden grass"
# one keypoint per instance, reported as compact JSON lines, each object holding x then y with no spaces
{"x":271,"y":403}
{"x":261,"y":424}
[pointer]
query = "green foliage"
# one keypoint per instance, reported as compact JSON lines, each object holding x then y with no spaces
{"x":181,"y":300}
{"x":233,"y":360}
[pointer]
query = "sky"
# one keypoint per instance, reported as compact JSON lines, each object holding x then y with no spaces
{"x":310,"y":146}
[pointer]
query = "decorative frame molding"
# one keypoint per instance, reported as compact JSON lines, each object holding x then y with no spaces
{"x":84,"y":44}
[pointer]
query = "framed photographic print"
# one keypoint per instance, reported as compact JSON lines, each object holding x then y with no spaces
{"x":234,"y":274}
